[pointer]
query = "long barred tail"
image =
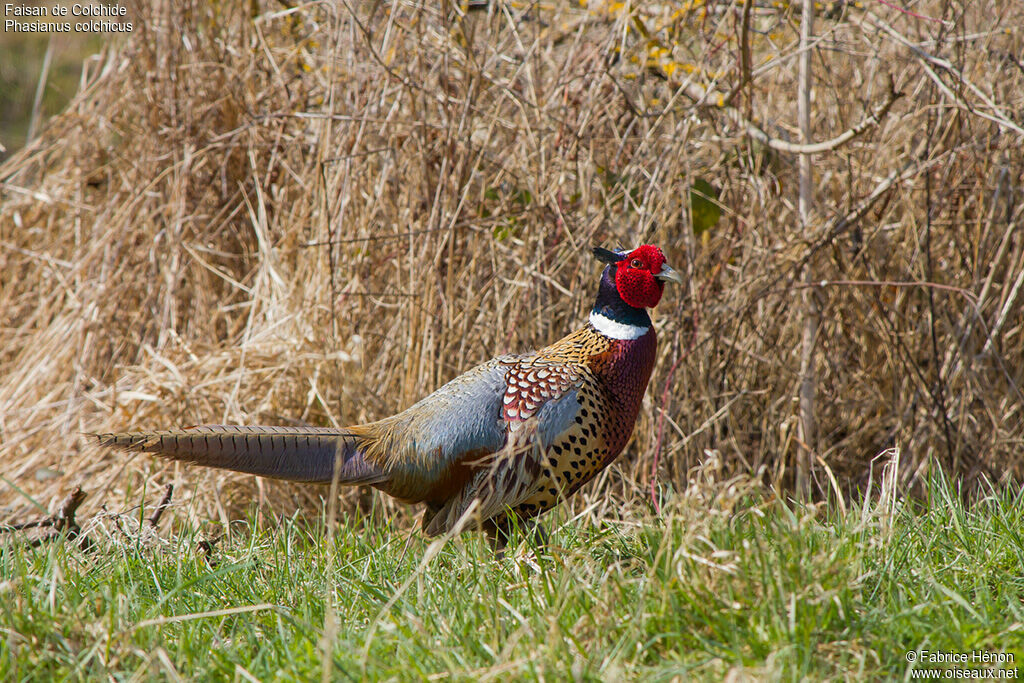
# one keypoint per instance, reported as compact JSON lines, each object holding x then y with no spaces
{"x":305,"y":454}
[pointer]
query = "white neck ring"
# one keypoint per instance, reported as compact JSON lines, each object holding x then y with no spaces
{"x":616,"y":330}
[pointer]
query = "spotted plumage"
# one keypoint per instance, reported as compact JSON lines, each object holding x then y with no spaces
{"x":507,"y":440}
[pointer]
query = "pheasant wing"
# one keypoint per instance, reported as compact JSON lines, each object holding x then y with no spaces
{"x":540,"y":403}
{"x":425,"y":448}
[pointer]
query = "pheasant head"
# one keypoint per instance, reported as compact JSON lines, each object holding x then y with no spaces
{"x":632,"y":282}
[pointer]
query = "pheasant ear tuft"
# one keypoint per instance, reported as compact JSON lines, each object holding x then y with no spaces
{"x":606,"y":256}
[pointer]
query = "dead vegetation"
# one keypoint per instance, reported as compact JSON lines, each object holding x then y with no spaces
{"x":260,"y":214}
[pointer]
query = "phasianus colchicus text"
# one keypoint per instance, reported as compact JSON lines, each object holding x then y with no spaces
{"x":506,"y":440}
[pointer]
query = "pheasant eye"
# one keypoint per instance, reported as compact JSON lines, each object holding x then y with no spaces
{"x":636,"y":263}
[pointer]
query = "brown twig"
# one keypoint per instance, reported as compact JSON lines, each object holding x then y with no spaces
{"x":62,"y":521}
{"x":746,"y":75}
{"x":165,"y":502}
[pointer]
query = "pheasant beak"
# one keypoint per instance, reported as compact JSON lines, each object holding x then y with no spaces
{"x":670,"y":273}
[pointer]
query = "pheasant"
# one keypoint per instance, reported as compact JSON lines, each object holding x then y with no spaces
{"x":498,"y":445}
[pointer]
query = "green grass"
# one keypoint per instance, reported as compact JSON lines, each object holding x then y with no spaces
{"x":747,"y":584}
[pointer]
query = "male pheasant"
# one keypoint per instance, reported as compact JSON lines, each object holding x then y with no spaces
{"x":506,"y":440}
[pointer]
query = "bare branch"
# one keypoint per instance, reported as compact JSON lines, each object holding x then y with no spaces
{"x":702,"y":97}
{"x":807,"y":425}
{"x":745,"y":71}
{"x":999,"y":118}
{"x":165,"y":502}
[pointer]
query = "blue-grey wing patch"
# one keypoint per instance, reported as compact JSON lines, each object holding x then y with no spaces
{"x":419,"y":446}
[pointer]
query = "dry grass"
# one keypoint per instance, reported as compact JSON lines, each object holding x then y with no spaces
{"x":320,"y":215}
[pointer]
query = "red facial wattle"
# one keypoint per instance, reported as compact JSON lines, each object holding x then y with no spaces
{"x":634,"y":277}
